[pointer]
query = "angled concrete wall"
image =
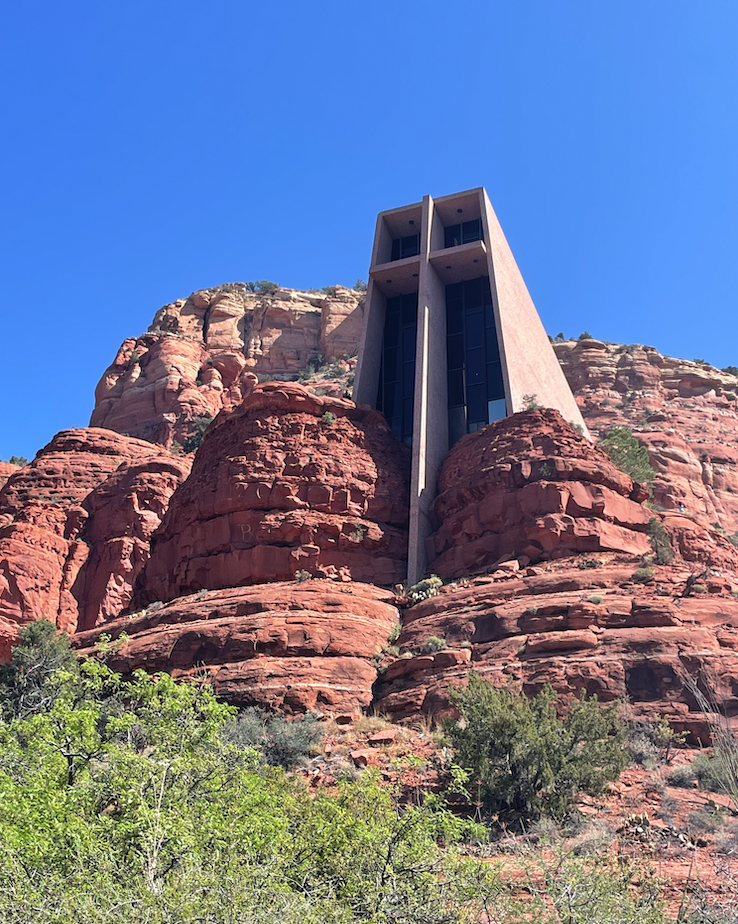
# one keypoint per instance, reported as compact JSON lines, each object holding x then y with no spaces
{"x":529,"y":364}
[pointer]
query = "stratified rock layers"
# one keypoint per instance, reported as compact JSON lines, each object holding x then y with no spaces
{"x":685,"y":413}
{"x":529,"y":485}
{"x":296,"y":647}
{"x":590,"y":629}
{"x":290,"y":482}
{"x":201,"y":353}
{"x":84,"y":508}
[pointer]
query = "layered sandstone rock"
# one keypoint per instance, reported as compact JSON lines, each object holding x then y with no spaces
{"x":201,"y":354}
{"x":290,"y":482}
{"x":297,"y":647}
{"x":577,"y":628}
{"x":685,"y":413}
{"x":529,"y":486}
{"x":48,"y":528}
{"x":6,"y":470}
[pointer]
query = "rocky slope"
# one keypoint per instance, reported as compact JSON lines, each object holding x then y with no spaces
{"x":290,"y":482}
{"x":686,"y":413}
{"x":75,"y":525}
{"x":530,"y":486}
{"x":297,"y":647}
{"x":201,"y":353}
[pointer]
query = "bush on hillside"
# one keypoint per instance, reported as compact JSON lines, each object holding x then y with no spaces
{"x":660,"y":542}
{"x":282,"y":743}
{"x":199,"y":426}
{"x":528,"y":762}
{"x":628,"y":454}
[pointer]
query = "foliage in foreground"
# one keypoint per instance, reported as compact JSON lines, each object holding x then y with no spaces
{"x":142,"y":802}
{"x":526,"y":761}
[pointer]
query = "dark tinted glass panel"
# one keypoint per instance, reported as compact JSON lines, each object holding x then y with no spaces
{"x":410,"y":246}
{"x":408,"y":377}
{"x":486,"y":294}
{"x":389,"y":401}
{"x":476,"y":402}
{"x":475,"y":386}
{"x":409,"y":309}
{"x":452,"y":235}
{"x":475,"y":366}
{"x":405,"y":247}
{"x":495,"y":384}
{"x":455,"y":347}
{"x":408,"y":344}
{"x":471,"y":231}
{"x":392,"y":330}
{"x":454,"y":317}
{"x":397,"y":371}
{"x":456,"y":388}
{"x":473,"y":294}
{"x":493,"y":350}
{"x":474,"y":329}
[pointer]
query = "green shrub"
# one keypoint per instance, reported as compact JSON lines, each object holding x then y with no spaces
{"x":711,"y":772}
{"x":528,"y":762}
{"x":660,"y":542}
{"x":585,"y":335}
{"x":433,"y":644}
{"x":18,"y":460}
{"x":424,"y":589}
{"x":199,"y":425}
{"x":628,"y":454}
{"x":530,"y":403}
{"x":682,"y":776}
{"x":730,"y":370}
{"x":301,"y":576}
{"x":585,"y":562}
{"x":329,"y":418}
{"x":282,"y":743}
{"x":26,"y":683}
{"x":642,"y":575}
{"x":360,"y":286}
{"x":595,"y":598}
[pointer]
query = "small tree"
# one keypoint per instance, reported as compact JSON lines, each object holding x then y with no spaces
{"x":199,"y":426}
{"x":526,"y":760}
{"x":25,"y":683}
{"x":660,"y":542}
{"x":628,"y":454}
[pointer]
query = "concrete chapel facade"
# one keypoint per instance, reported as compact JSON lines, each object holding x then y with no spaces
{"x":451,"y":339}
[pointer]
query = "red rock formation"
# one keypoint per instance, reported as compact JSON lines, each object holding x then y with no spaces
{"x":686,"y":413}
{"x":6,"y":470}
{"x":295,"y":646}
{"x":201,"y":354}
{"x":44,"y":517}
{"x":529,"y":485}
{"x":289,"y":482}
{"x":576,"y":628}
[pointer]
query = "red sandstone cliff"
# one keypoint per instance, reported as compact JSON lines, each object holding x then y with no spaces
{"x":200,"y":355}
{"x":686,"y":413}
{"x":290,"y":482}
{"x":75,"y":525}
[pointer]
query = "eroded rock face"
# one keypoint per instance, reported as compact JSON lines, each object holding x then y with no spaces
{"x":201,"y":355}
{"x":590,"y":629}
{"x":48,"y":528}
{"x":6,"y":470}
{"x":686,"y":413}
{"x":530,"y":486}
{"x":289,"y":482}
{"x":297,"y":647}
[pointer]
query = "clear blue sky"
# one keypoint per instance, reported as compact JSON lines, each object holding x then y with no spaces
{"x":151,"y":149}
